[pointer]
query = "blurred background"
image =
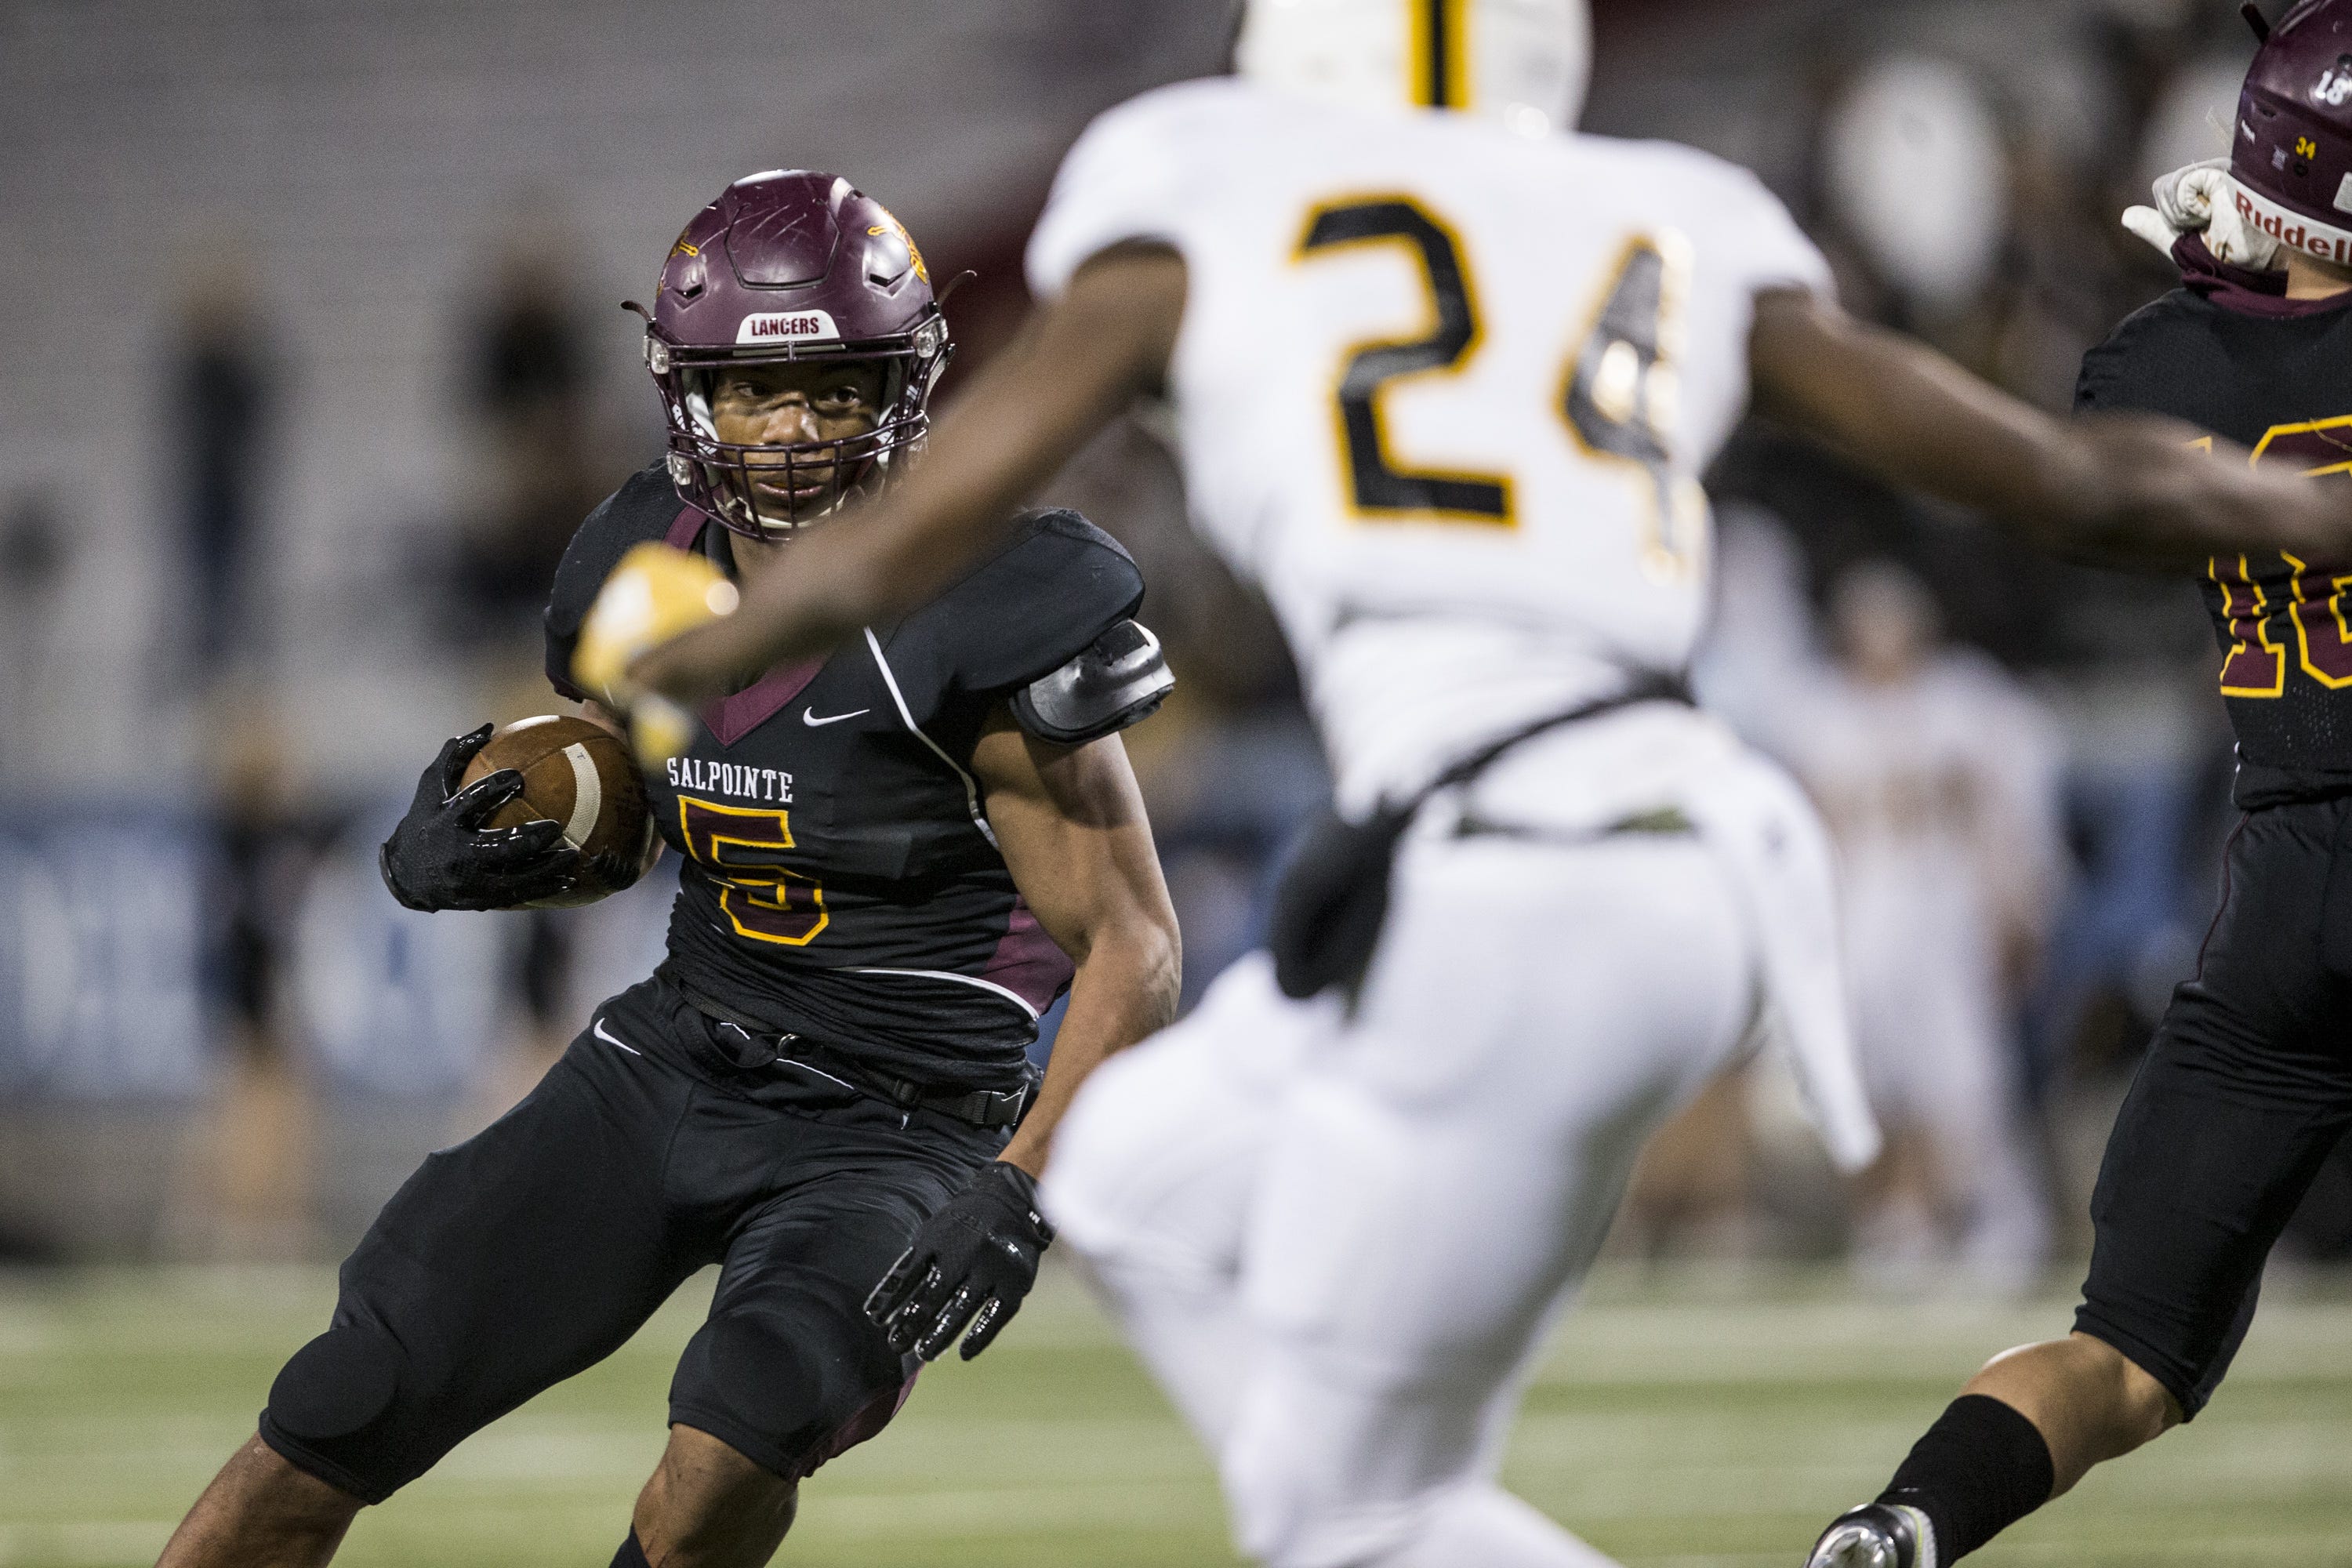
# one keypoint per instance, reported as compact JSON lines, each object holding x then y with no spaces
{"x":321,"y":361}
{"x":315,"y":362}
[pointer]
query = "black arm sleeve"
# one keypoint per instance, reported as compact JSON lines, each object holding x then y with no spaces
{"x":641,"y":509}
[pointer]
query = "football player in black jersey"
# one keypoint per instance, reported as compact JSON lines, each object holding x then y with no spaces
{"x":893,"y":860}
{"x":2248,"y":1085}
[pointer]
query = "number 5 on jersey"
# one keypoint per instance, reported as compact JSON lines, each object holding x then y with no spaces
{"x":740,"y":848}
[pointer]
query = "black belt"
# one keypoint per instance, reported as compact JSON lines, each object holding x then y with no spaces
{"x":752,"y":1049}
{"x":1332,"y":898}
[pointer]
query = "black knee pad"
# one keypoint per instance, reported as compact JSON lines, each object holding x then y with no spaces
{"x":786,"y":1392}
{"x":327,"y":1401}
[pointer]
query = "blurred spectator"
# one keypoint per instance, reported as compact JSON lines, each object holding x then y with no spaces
{"x":222,"y":391}
{"x":1936,"y":774}
{"x":256,"y":1151}
{"x":539,"y":460}
{"x":32,"y":548}
{"x":1762,"y":655}
{"x":1916,"y":178}
{"x":31,"y":569}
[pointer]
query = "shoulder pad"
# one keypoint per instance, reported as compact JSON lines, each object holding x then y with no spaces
{"x":1117,"y":681}
{"x":1040,"y":602}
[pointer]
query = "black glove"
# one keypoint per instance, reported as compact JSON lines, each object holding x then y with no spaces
{"x":441,"y":857}
{"x":972,"y":1263}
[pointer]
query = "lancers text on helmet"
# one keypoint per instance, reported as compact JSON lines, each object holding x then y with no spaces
{"x":787,"y":326}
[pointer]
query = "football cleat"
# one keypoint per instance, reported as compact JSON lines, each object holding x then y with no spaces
{"x":1876,"y":1535}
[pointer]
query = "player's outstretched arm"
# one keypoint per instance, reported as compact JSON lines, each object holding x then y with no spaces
{"x":1075,"y":365}
{"x":2121,"y":489}
{"x":1070,"y":823}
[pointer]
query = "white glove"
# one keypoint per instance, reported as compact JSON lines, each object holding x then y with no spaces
{"x":2196,"y":200}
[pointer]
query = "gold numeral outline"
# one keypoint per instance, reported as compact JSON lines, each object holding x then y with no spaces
{"x":1433,"y":324}
{"x":2260,"y":616}
{"x":1673,"y":505}
{"x":730,"y":885}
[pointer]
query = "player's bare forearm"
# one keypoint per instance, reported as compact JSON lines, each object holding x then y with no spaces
{"x":2120,"y":490}
{"x":1124,"y":993}
{"x":1071,"y":824}
{"x":1075,"y":364}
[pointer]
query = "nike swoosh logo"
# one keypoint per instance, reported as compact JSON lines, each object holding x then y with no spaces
{"x":809,"y":718}
{"x":612,"y":1039}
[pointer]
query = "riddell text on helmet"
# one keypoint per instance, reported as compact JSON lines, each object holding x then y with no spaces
{"x":2296,"y":233}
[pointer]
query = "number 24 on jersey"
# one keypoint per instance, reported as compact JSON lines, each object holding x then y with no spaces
{"x":1617,"y":398}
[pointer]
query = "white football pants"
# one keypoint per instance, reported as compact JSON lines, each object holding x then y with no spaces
{"x":1337,"y":1243}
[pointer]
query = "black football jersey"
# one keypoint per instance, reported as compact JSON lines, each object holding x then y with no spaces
{"x":840,"y":879}
{"x":2276,"y":378}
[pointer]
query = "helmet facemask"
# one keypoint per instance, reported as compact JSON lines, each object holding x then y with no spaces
{"x":722,"y":479}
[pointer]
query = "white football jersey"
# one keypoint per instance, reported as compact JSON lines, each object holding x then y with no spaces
{"x":1444,"y":391}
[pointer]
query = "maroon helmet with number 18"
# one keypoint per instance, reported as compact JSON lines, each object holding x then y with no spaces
{"x":790,"y":266}
{"x":2292,"y":161}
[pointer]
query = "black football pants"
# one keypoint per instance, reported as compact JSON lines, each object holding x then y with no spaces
{"x":535,"y":1249}
{"x":2245,"y":1092}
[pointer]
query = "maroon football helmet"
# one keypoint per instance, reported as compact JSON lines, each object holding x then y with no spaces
{"x":2292,"y":159}
{"x":790,"y":266}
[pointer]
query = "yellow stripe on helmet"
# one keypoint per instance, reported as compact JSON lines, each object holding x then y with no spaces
{"x":1439,"y":57}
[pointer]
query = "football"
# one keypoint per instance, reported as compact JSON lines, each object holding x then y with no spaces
{"x":582,"y":775}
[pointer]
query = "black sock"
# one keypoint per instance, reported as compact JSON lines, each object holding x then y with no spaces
{"x":1980,"y":1469}
{"x":631,"y":1554}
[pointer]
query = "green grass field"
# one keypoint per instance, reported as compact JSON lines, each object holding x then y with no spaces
{"x":1671,"y":1424}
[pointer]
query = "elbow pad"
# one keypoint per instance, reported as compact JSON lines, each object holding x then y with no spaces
{"x":1120,"y":680}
